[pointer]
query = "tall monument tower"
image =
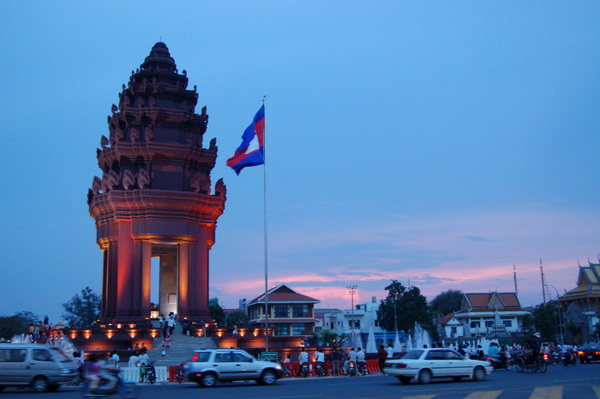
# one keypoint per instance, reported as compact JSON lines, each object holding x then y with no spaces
{"x":154,"y":198}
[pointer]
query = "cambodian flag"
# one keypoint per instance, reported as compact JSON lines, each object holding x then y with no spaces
{"x":251,"y":151}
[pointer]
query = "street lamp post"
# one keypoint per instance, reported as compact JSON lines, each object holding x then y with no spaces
{"x":352,"y":290}
{"x":560,"y":326}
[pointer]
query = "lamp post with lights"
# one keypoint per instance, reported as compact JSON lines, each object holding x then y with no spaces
{"x":352,"y":290}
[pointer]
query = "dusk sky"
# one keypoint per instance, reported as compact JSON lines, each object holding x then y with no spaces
{"x":436,"y":143}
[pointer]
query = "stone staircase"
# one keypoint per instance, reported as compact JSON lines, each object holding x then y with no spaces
{"x":180,"y":350}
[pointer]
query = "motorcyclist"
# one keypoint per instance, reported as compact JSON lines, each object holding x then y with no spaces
{"x":303,"y":359}
{"x":320,"y":359}
{"x":351,"y":358}
{"x":493,"y":350}
{"x":360,"y":360}
{"x":97,"y":371}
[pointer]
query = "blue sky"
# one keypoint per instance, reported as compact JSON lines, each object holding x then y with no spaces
{"x":432,"y":142}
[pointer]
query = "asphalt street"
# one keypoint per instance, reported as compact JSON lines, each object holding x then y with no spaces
{"x":580,"y":382}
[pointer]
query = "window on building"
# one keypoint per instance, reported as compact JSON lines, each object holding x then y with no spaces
{"x":475,"y":324}
{"x":489,"y":323}
{"x":507,"y":323}
{"x":282,"y":329}
{"x":300,"y":310}
{"x":281,"y":311}
{"x":354,"y":323}
{"x":298,"y":329}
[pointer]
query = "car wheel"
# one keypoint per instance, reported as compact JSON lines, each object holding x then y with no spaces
{"x":40,"y":384}
{"x":404,"y":380}
{"x":478,"y":374}
{"x":208,"y":380}
{"x":268,"y":377}
{"x":424,"y":376}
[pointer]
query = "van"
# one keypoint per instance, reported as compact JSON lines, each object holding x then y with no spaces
{"x":42,"y":367}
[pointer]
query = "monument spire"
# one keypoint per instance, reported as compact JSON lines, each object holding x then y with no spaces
{"x":155,"y":196}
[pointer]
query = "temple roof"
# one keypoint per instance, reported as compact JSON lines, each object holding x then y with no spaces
{"x":588,"y":283}
{"x":491,"y":300}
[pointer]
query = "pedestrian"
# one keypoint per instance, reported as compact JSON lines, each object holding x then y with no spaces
{"x":133,"y":360}
{"x":336,"y":357}
{"x":164,"y":351}
{"x":390,"y":351}
{"x":168,"y":341}
{"x":161,"y":320}
{"x":171,"y":323}
{"x":381,"y":356}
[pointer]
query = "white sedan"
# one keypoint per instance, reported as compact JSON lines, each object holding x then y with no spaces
{"x":426,"y":364}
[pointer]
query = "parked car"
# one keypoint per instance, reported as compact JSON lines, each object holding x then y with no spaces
{"x":209,"y":366}
{"x":425,"y":364}
{"x":42,"y":367}
{"x":589,"y":352}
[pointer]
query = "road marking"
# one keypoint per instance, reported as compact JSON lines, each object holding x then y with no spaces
{"x":597,"y":390}
{"x":547,"y":393}
{"x":484,"y":395}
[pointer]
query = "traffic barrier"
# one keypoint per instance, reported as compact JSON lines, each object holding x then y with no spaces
{"x":373,"y":366}
{"x":133,"y":374}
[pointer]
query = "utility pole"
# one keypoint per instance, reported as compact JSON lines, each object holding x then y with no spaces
{"x":352,"y":290}
{"x":515,"y":278}
{"x":543,"y":283}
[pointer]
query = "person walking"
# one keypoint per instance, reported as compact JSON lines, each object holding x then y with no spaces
{"x":336,"y":357}
{"x":381,"y":356}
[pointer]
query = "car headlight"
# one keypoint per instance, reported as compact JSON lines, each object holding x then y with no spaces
{"x":278,"y":367}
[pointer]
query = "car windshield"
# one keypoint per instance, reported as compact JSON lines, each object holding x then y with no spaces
{"x":415,"y":354}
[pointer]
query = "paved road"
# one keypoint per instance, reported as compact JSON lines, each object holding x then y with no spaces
{"x":580,"y":382}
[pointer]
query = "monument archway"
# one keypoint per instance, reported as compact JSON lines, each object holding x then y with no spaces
{"x":154,"y":198}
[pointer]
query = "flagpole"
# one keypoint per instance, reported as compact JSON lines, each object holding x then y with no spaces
{"x":266,"y":231}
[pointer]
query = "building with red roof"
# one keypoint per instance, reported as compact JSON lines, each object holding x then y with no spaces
{"x":291,"y":314}
{"x":491,"y":314}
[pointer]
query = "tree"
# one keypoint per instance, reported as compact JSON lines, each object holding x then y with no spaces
{"x":216,"y":313}
{"x":447,"y":302}
{"x":545,"y":319}
{"x":403,"y":307}
{"x":237,"y":318}
{"x":83,"y":309}
{"x":16,"y":324}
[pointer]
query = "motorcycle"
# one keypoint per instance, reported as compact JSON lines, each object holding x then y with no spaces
{"x":150,"y":373}
{"x":556,"y":357}
{"x":320,"y":370}
{"x":352,"y":368}
{"x":125,"y":389}
{"x":499,"y":362}
{"x":303,"y":372}
{"x":362,"y":368}
{"x":568,"y":357}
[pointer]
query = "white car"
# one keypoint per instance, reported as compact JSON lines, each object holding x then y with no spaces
{"x":209,"y":366}
{"x":425,"y":364}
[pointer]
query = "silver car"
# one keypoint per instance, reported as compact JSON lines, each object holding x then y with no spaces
{"x":42,"y":367}
{"x":425,"y":364}
{"x":209,"y":366}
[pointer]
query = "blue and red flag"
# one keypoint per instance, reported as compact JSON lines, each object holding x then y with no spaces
{"x":252,"y":150}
